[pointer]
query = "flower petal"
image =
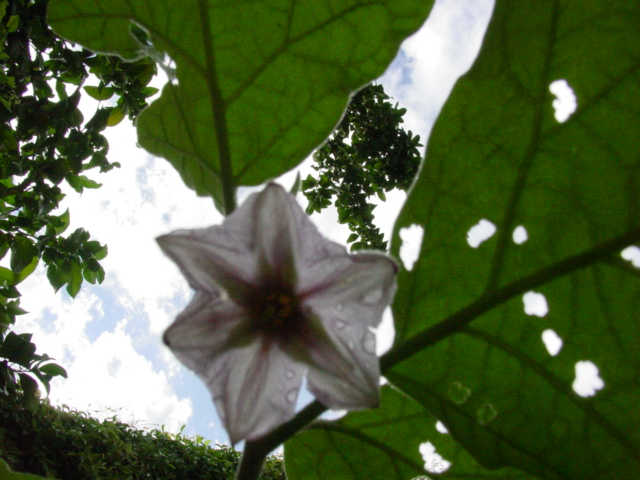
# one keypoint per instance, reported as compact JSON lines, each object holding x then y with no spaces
{"x":205,"y":329}
{"x":347,"y":301}
{"x":253,"y":353}
{"x":344,"y":371}
{"x":211,"y":261}
{"x":254,"y":388}
{"x":360,"y":286}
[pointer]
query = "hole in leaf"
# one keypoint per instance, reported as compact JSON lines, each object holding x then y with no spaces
{"x":587,"y":381}
{"x":332,"y":415}
{"x":433,"y":462}
{"x":565,"y":102}
{"x":552,"y":341}
{"x":535,"y":304}
{"x":480,"y":232}
{"x":441,"y":428}
{"x":385,"y":333}
{"x":458,"y":393}
{"x":411,"y":242}
{"x":632,"y":254}
{"x":520,"y":235}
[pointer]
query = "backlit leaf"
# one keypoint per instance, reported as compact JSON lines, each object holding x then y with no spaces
{"x":498,"y":156}
{"x":382,"y":444}
{"x":257,"y":85}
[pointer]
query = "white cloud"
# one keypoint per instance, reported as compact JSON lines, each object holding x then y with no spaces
{"x":432,"y":59}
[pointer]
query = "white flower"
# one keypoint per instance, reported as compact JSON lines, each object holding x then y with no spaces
{"x":275,"y":301}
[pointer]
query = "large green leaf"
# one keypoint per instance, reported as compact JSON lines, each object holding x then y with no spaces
{"x":257,"y":85}
{"x":381,"y":444}
{"x":498,"y":153}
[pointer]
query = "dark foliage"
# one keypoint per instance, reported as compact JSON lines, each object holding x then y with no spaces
{"x":44,"y":142}
{"x":368,"y":154}
{"x":70,"y":445}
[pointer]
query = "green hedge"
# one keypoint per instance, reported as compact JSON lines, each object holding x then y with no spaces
{"x":70,"y":445}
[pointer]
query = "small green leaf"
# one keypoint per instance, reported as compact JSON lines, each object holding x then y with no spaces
{"x":295,"y":188}
{"x":65,"y":220}
{"x":61,"y":90}
{"x":22,"y":252}
{"x":18,"y":349}
{"x":26,"y":271}
{"x":6,"y":275}
{"x":99,"y":93}
{"x":57,"y":276}
{"x":80,"y":182}
{"x":102,"y":253}
{"x":115,"y":116}
{"x":89,"y":275}
{"x":13,"y":23}
{"x":54,"y":370}
{"x":75,"y":279}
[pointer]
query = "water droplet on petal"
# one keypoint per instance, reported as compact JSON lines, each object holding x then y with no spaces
{"x":290,"y":374}
{"x":369,"y":343}
{"x":486,"y":413}
{"x":339,"y":306}
{"x":292,"y":395}
{"x":351,"y":345}
{"x":340,"y":324}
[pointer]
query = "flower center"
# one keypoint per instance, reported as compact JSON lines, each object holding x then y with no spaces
{"x":276,"y":311}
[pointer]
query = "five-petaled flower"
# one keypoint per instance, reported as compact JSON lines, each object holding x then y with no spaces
{"x":275,"y":301}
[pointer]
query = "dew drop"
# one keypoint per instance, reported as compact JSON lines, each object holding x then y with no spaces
{"x":369,"y":343}
{"x":441,"y":428}
{"x":290,"y":374}
{"x":339,"y":306}
{"x":340,"y":324}
{"x":486,"y":413}
{"x":458,"y":393}
{"x":292,"y":395}
{"x":351,"y":345}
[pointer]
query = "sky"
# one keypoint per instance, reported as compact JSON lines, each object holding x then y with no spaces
{"x":109,"y":337}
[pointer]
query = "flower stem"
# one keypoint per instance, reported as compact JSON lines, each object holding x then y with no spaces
{"x":256,"y":451}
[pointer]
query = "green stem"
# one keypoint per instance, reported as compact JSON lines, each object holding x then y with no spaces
{"x":256,"y":451}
